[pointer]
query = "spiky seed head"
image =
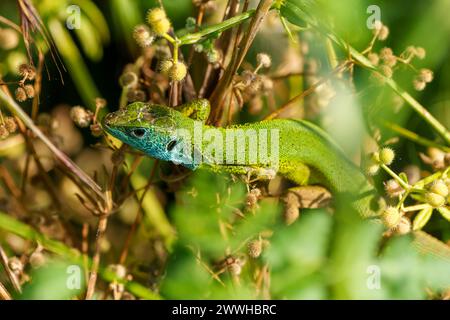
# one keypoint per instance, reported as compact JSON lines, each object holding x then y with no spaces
{"x":4,"y":133}
{"x":264,"y":60}
{"x":254,"y":248}
{"x":439,"y":187}
{"x":165,"y":66}
{"x":391,"y":217}
{"x":435,"y":200}
{"x":372,"y":169}
{"x":420,"y":52}
{"x":178,"y":71}
{"x":27,"y":70}
{"x":81,"y":116}
{"x":387,"y":71}
{"x":10,"y":124}
{"x":143,"y":36}
{"x":29,"y":90}
{"x":383,"y":33}
{"x":235,"y":268}
{"x":404,"y":226}
{"x":158,"y":21}
{"x":419,"y":84}
{"x":374,"y":58}
{"x":426,"y":75}
{"x":387,"y":156}
{"x":386,"y":53}
{"x":20,"y":94}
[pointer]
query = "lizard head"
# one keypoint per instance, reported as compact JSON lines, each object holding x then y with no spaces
{"x":154,"y":130}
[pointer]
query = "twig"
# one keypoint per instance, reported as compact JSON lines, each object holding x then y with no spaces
{"x":4,"y":294}
{"x":11,"y":275}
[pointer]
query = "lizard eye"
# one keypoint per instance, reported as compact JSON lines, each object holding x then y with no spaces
{"x":171,"y":145}
{"x":138,"y":133}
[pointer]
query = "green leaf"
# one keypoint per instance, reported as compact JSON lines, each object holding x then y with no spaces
{"x":421,"y":219}
{"x":445,"y":212}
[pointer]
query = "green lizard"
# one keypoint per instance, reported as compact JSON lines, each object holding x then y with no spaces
{"x":304,"y":153}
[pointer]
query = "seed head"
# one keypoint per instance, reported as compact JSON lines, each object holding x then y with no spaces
{"x":426,"y":75}
{"x":4,"y":133}
{"x":387,"y":71}
{"x":29,"y":90}
{"x":391,"y":217}
{"x":158,"y":21}
{"x":419,"y":84}
{"x":27,"y":70}
{"x":434,"y":199}
{"x":165,"y":66}
{"x":420,"y":52}
{"x":143,"y":36}
{"x":178,"y":71}
{"x":10,"y":124}
{"x":20,"y":94}
{"x":387,"y":155}
{"x":264,"y":60}
{"x":81,"y":116}
{"x":372,"y":169}
{"x":404,"y":226}
{"x":383,"y":33}
{"x":374,"y":58}
{"x":439,"y":187}
{"x":254,"y":248}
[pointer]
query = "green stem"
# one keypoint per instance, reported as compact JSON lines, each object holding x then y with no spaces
{"x":403,"y":184}
{"x":414,"y":136}
{"x":192,"y":38}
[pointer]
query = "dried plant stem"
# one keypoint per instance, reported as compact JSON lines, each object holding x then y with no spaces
{"x":223,"y":86}
{"x":4,"y":294}
{"x":65,"y":160}
{"x":137,"y":220}
{"x":101,"y":231}
{"x":11,"y":275}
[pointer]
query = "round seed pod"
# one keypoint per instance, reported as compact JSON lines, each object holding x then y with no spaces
{"x":391,"y":217}
{"x":439,"y":187}
{"x":158,"y":21}
{"x":434,"y":199}
{"x":387,"y":156}
{"x":178,"y":71}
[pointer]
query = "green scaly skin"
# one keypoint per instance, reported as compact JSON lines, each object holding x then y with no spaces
{"x":306,"y":153}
